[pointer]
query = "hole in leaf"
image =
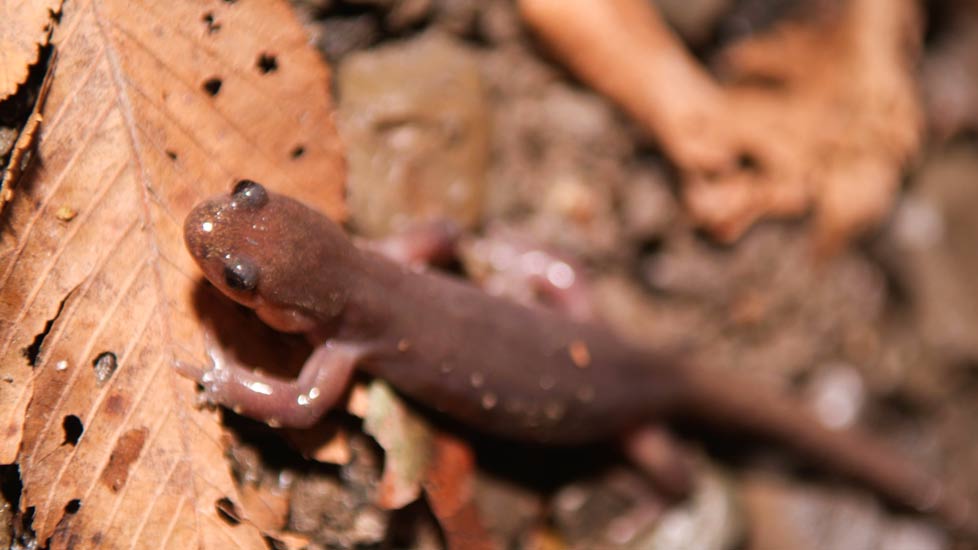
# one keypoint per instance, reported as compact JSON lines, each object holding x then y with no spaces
{"x":748,"y":162}
{"x":227,"y":510}
{"x":267,"y":63}
{"x":73,"y":428}
{"x":212,"y":25}
{"x":212,"y":86}
{"x":298,"y":151}
{"x":73,"y":506}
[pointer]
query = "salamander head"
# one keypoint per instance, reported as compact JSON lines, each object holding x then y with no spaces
{"x":273,"y":254}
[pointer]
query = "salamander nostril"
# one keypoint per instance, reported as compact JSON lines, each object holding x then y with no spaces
{"x":249,"y":194}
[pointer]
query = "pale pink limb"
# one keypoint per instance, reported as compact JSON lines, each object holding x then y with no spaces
{"x":296,"y":403}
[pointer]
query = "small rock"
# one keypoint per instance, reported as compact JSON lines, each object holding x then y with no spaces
{"x":415,"y":119}
{"x":337,"y":36}
{"x":407,"y":13}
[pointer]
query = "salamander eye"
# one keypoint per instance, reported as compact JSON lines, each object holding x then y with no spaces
{"x":241,"y":274}
{"x":249,"y":194}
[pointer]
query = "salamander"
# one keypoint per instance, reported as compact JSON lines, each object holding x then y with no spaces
{"x":500,"y":367}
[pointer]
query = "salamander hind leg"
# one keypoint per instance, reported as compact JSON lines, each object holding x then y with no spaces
{"x":509,"y":264}
{"x":427,"y":243}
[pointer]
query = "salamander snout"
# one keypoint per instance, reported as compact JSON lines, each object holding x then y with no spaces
{"x":216,"y":226}
{"x":226,"y":233}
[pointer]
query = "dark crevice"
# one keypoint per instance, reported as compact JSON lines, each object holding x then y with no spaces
{"x":11,"y":486}
{"x":228,"y":511}
{"x":33,"y":351}
{"x":15,"y":110}
{"x":25,"y":534}
{"x":19,"y":532}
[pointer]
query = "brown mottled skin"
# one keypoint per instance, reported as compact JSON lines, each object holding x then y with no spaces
{"x":489,"y":363}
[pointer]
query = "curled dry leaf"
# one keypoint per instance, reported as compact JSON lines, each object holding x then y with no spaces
{"x":152,"y":108}
{"x":20,"y":154}
{"x":25,"y":27}
{"x":818,"y":114}
{"x":417,"y":456}
{"x":406,"y":440}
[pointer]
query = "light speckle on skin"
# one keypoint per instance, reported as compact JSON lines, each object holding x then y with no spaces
{"x":547,"y":382}
{"x":314,"y":393}
{"x":560,"y":275}
{"x":489,"y":401}
{"x":477,"y":379}
{"x":585,"y":394}
{"x":274,"y":423}
{"x":61,"y":365}
{"x":403,"y":345}
{"x":302,"y":399}
{"x":447,"y":368}
{"x":207,"y":227}
{"x":572,"y":498}
{"x":534,"y":262}
{"x":258,"y":387}
{"x":501,"y":256}
{"x":554,"y":410}
{"x":579,"y":354}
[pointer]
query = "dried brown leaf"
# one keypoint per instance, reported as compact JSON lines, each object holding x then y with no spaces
{"x":153,"y":106}
{"x":326,"y":442}
{"x":836,"y":131}
{"x":25,"y":26}
{"x":268,"y":507}
{"x":822,"y":114}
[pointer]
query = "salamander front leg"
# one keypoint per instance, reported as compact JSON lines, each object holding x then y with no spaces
{"x":297,"y":403}
{"x":661,"y":457}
